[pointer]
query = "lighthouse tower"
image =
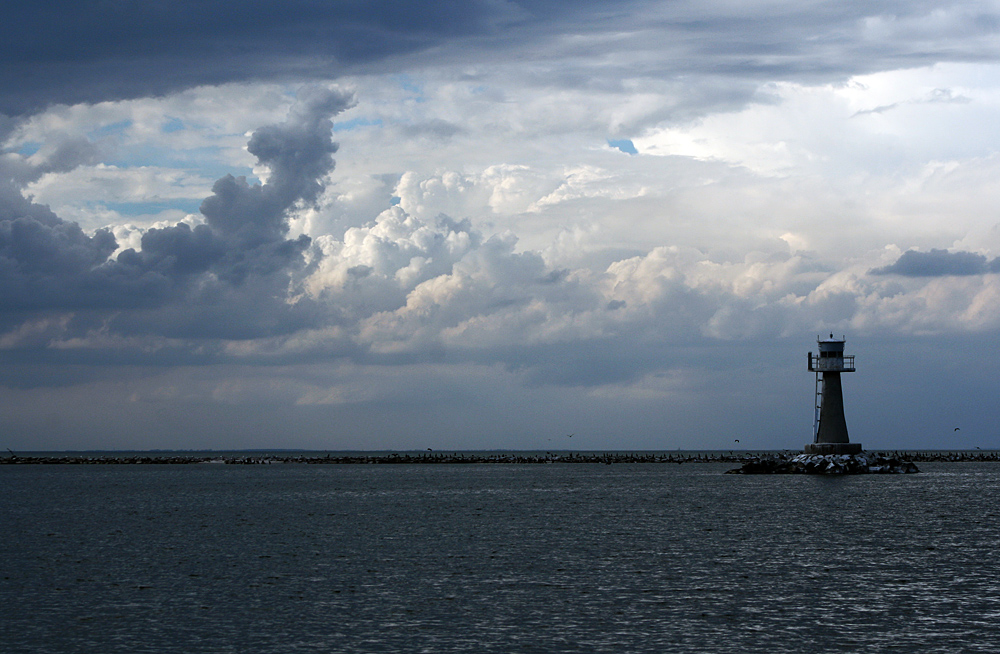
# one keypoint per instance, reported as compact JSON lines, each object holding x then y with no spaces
{"x":829,"y":425}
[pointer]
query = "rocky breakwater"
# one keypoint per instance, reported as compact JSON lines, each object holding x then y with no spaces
{"x":824,"y":464}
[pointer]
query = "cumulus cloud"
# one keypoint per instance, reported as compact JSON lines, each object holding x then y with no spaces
{"x":297,"y":155}
{"x":430,"y":289}
{"x":431,"y":278}
{"x":234,"y":268}
{"x":442,"y":291}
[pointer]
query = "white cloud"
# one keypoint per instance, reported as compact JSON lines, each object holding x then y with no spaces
{"x":84,"y":193}
{"x":873,"y":124}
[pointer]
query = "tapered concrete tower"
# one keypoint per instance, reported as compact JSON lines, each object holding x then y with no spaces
{"x":829,"y":424}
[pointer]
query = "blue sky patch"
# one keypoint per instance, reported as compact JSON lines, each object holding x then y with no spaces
{"x":28,"y":149}
{"x":154,"y":207}
{"x":173,"y":125}
{"x":407,"y":83}
{"x":625,"y":145}
{"x":204,"y":161}
{"x":355,"y":123}
{"x":111,"y":129}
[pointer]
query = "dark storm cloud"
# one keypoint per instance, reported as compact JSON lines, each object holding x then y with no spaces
{"x":67,"y":52}
{"x":939,"y":263}
{"x":298,"y":153}
{"x":226,"y":278}
{"x":70,"y":52}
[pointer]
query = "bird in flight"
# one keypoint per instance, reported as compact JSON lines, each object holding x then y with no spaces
{"x":570,"y":435}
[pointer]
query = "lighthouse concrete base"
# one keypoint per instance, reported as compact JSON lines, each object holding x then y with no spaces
{"x":832,"y":448}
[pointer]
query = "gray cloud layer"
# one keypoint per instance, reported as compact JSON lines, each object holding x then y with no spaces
{"x":939,"y":263}
{"x":70,"y":52}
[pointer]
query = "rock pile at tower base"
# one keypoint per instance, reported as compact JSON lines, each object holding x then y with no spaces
{"x":824,"y":464}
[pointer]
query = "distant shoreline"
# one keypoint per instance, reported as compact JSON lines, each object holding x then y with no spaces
{"x":456,"y":457}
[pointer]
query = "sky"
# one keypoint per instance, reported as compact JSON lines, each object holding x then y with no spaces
{"x":490,"y":224}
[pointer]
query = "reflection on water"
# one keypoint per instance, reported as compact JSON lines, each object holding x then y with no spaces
{"x":624,"y":558}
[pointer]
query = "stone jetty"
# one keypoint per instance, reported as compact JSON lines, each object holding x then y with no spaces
{"x":760,"y":462}
{"x":387,"y":458}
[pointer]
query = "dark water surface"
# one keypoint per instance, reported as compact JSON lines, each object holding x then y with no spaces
{"x":504,"y":558}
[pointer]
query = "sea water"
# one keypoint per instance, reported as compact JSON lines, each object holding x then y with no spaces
{"x":496,"y":558}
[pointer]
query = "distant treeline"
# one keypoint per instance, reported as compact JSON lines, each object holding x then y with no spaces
{"x":607,"y":458}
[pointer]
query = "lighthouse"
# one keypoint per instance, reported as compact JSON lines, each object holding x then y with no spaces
{"x":829,"y":424}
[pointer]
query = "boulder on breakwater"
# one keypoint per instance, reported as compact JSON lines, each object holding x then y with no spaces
{"x":824,"y":464}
